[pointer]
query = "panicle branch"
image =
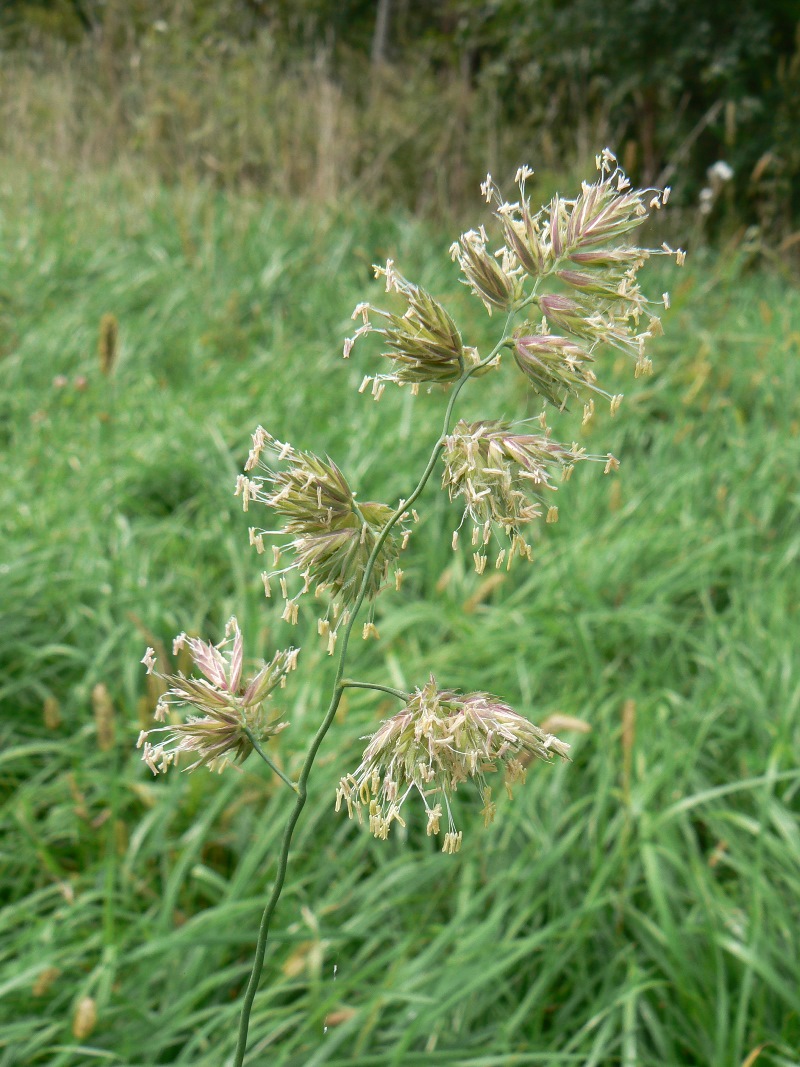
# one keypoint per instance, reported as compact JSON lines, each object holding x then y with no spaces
{"x":504,"y":478}
{"x":578,"y":245}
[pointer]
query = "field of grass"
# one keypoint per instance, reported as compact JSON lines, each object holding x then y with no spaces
{"x":638,"y":906}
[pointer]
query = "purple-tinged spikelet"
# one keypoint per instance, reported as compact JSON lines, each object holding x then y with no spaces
{"x":227,"y":705}
{"x":579,"y":245}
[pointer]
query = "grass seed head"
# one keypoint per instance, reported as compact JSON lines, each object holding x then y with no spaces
{"x":582,"y":245}
{"x":440,"y":739}
{"x":104,"y":716}
{"x":332,"y":535}
{"x":423,"y":344}
{"x":107,"y":343}
{"x":84,"y":1019}
{"x":493,"y":277}
{"x":555,"y":366}
{"x":227,"y":705}
{"x":504,"y":477}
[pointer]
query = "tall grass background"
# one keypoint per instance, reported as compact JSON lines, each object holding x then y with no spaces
{"x":179,"y":106}
{"x":638,"y":906}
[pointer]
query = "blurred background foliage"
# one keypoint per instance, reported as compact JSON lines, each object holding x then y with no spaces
{"x":410,"y":100}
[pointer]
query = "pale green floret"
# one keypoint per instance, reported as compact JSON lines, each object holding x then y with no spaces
{"x":332,"y":534}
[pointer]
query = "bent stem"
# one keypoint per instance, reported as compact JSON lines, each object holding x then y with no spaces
{"x":347,"y":684}
{"x":255,"y":743}
{"x":338,"y":689}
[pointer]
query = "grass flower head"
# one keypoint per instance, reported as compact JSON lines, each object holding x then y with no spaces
{"x":331,"y":534}
{"x":504,"y":478}
{"x":556,"y":367}
{"x":226,"y":706}
{"x":581,"y":246}
{"x":440,"y":739}
{"x":423,"y":344}
{"x":494,"y":277}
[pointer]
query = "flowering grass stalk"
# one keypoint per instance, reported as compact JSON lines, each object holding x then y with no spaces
{"x":566,"y":280}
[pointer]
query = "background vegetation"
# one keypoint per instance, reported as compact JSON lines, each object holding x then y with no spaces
{"x":411,"y":101}
{"x":638,"y":906}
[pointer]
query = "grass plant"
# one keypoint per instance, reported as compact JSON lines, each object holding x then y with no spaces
{"x":638,"y":906}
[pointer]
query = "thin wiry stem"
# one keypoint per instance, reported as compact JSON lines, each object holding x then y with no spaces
{"x":254,"y":742}
{"x":338,"y":689}
{"x":347,"y":684}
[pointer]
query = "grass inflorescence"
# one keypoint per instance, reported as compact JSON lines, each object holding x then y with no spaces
{"x":638,"y":905}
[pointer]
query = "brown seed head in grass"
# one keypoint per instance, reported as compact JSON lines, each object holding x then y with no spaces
{"x":84,"y":1019}
{"x":104,"y":716}
{"x":107,"y":343}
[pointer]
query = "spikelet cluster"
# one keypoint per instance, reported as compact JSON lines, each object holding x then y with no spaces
{"x":225,"y":704}
{"x":440,"y":739}
{"x":556,"y":367}
{"x":494,"y":277}
{"x":505,"y":478}
{"x":423,"y":344}
{"x":579,"y":246}
{"x":331,"y":535}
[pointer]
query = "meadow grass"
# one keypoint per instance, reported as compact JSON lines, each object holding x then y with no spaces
{"x":291,"y":121}
{"x":638,"y":906}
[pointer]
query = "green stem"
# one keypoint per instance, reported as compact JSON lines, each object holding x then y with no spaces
{"x":338,"y":689}
{"x":254,"y":742}
{"x":532,"y":295}
{"x":347,"y":684}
